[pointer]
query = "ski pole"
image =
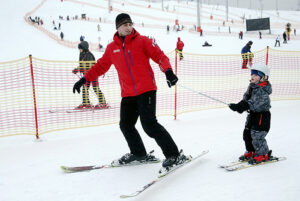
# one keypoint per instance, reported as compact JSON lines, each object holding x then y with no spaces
{"x":207,"y":96}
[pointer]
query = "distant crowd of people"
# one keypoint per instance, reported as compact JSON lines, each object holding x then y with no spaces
{"x":36,"y":20}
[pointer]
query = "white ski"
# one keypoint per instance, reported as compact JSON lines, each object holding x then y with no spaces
{"x":161,"y":176}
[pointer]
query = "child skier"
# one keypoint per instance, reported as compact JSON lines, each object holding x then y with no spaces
{"x":247,"y":55}
{"x":179,"y":48}
{"x":256,"y":101}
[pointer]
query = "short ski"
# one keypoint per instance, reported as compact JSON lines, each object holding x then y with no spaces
{"x":161,"y":176}
{"x":85,"y":110}
{"x":80,"y":110}
{"x":75,"y":110}
{"x":68,"y":110}
{"x":233,"y":163}
{"x":57,"y":110}
{"x":248,"y":165}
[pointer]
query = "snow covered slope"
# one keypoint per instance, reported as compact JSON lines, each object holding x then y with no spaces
{"x":29,"y":170}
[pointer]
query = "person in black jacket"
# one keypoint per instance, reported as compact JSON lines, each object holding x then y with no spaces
{"x":61,"y":35}
{"x":284,"y":37}
{"x":86,"y":60}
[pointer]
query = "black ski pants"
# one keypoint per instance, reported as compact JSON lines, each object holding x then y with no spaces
{"x":256,"y":128}
{"x":144,"y":106}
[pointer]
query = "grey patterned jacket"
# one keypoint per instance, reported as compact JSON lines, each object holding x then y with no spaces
{"x":257,"y":97}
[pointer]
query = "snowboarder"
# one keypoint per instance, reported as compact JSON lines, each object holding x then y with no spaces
{"x":86,"y":60}
{"x":138,"y":91}
{"x":179,"y":48}
{"x":277,"y":40}
{"x":247,"y":55}
{"x":256,"y":101}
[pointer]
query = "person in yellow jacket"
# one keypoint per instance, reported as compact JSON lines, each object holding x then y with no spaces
{"x":86,"y":60}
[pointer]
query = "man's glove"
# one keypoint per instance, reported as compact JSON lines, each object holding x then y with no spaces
{"x":171,"y":77}
{"x":75,"y":70}
{"x":78,"y":85}
{"x":240,"y":107}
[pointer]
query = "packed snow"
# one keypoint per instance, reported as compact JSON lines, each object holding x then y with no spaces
{"x":30,"y":169}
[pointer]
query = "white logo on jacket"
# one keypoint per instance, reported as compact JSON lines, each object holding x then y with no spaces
{"x":154,"y":42}
{"x":117,"y":50}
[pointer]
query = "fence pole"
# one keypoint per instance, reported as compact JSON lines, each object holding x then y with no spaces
{"x":34,"y":99}
{"x":267,"y":55}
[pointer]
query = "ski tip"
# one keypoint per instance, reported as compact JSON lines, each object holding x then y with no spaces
{"x":127,"y":196}
{"x":65,"y":169}
{"x":230,"y":169}
{"x":206,"y":151}
{"x":283,"y":158}
{"x":201,"y":154}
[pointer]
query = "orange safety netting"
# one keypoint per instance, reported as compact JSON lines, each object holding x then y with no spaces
{"x":36,"y":95}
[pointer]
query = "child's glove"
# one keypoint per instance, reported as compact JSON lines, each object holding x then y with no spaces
{"x":240,"y":107}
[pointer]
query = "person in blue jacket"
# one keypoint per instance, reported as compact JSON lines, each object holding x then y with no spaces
{"x":247,"y":55}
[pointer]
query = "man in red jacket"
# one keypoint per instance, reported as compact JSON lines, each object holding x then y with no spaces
{"x":130,"y":53}
{"x":179,"y":48}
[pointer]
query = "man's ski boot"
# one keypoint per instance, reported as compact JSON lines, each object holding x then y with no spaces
{"x":173,"y":162}
{"x":247,"y":156}
{"x":130,"y":159}
{"x":261,"y":158}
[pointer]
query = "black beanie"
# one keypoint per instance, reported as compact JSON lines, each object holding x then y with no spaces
{"x":121,"y":19}
{"x":84,"y":46}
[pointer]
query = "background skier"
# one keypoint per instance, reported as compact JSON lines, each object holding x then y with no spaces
{"x":86,"y":60}
{"x":247,"y":55}
{"x":179,"y":48}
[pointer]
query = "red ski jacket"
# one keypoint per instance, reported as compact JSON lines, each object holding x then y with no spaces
{"x":131,"y":58}
{"x":180,"y":44}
